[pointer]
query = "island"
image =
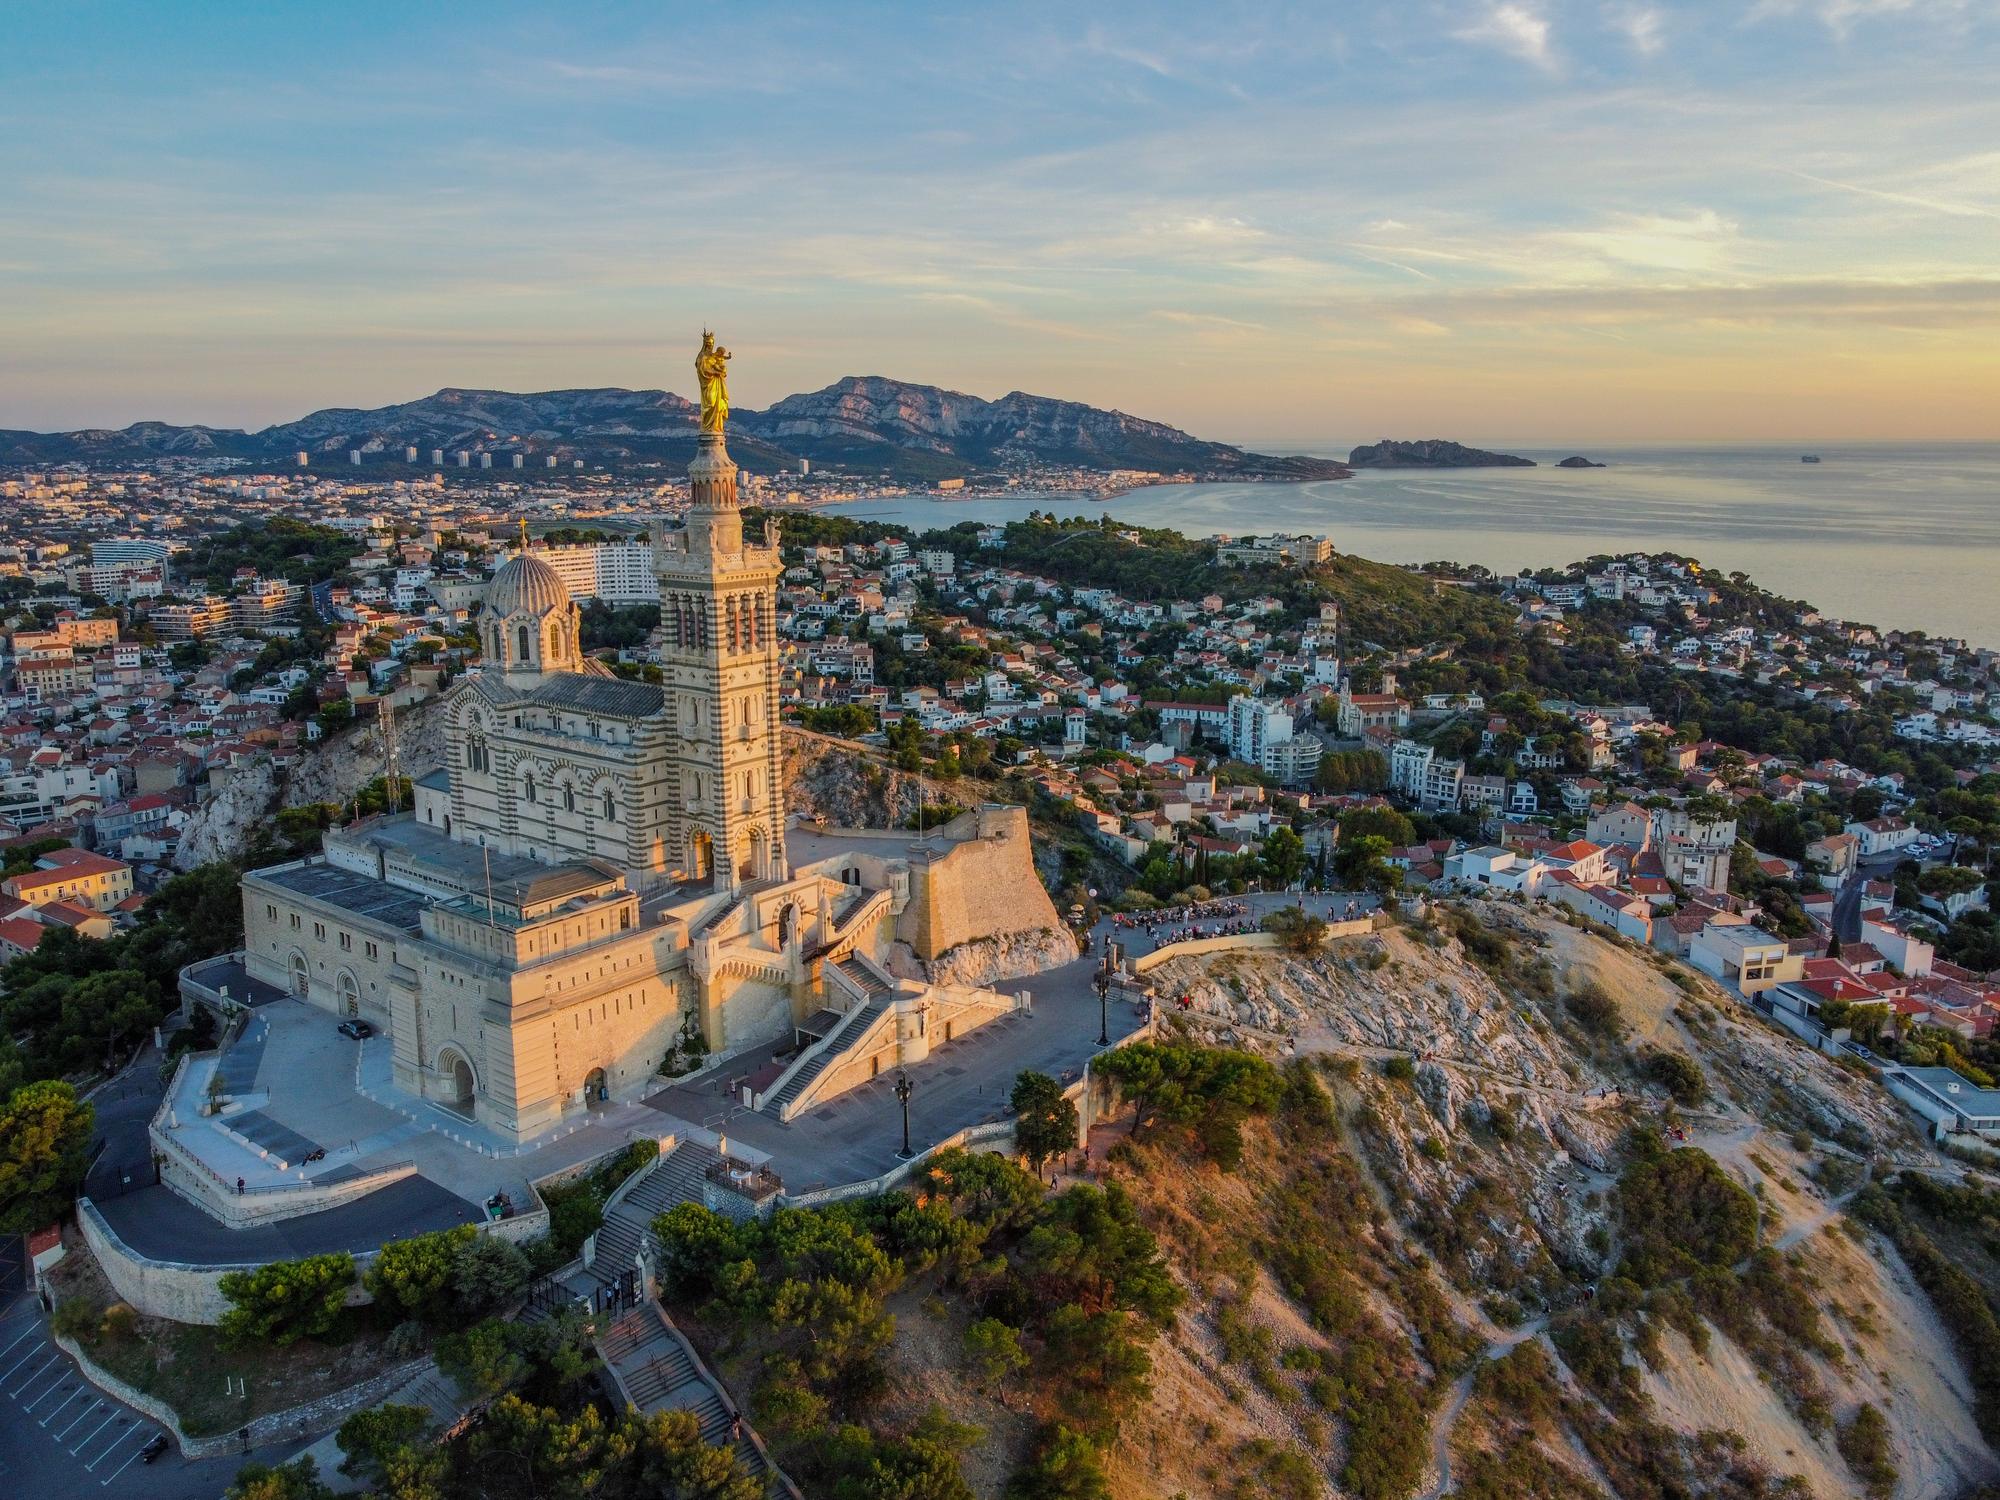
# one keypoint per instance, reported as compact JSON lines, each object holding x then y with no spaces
{"x":1431,"y":453}
{"x":1577,"y":461}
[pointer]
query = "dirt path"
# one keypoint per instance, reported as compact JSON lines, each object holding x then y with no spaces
{"x":1446,"y":1420}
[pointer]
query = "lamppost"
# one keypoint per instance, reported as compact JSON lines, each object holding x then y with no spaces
{"x":1101,"y":982}
{"x":904,"y":1088}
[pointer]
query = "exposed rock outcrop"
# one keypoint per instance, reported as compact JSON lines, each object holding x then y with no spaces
{"x":986,"y":962}
{"x":847,"y":785}
{"x":327,"y":771}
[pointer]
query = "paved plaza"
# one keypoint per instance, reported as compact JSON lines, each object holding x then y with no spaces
{"x":308,"y":1083}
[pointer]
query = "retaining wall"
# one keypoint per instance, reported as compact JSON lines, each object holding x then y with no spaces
{"x":308,"y":1419}
{"x":160,"y":1289}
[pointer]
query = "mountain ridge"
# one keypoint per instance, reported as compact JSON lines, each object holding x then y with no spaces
{"x":867,"y":422}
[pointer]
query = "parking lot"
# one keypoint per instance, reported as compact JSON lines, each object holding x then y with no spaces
{"x":63,"y":1433}
{"x":62,"y":1438}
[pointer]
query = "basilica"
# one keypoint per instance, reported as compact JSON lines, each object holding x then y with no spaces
{"x":601,"y":877}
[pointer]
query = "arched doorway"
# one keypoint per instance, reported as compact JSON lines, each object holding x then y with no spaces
{"x":301,"y":974}
{"x":754,"y":856}
{"x":459,"y":1084}
{"x":701,"y":857}
{"x":594,"y":1090}
{"x":350,"y":993}
{"x":788,"y":924}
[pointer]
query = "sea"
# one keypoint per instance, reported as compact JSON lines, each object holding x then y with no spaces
{"x":1902,"y":537}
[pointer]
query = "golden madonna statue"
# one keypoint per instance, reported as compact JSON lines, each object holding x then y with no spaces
{"x":711,"y":372}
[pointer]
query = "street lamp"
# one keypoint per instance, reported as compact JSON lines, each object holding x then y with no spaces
{"x":1101,"y":981}
{"x":904,"y":1088}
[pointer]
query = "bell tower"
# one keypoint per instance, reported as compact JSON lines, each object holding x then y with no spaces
{"x":719,"y":658}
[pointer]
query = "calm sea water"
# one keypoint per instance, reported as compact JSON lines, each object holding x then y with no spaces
{"x":1893,"y":536}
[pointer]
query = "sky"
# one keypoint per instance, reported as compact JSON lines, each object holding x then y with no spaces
{"x":1537,"y":222}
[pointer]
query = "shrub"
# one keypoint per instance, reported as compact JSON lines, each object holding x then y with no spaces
{"x":997,"y":1347}
{"x":415,"y":1275}
{"x":75,"y":1318}
{"x":1206,"y":1091}
{"x":121,"y":1321}
{"x":1402,"y":1069}
{"x":1681,"y":1213}
{"x":1595,"y":1011}
{"x":1864,"y":1443}
{"x":287,"y":1300}
{"x":1680,"y":1076}
{"x":1065,"y":1467}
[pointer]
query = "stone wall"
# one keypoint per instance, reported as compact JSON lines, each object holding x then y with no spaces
{"x":980,"y":885}
{"x":160,"y":1289}
{"x":183,"y":1174}
{"x":308,"y":1419}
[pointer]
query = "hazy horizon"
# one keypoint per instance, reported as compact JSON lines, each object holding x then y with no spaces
{"x":1545,"y":222}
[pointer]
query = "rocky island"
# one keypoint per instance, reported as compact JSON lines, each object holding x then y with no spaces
{"x":1578,"y":461}
{"x":1431,"y":453}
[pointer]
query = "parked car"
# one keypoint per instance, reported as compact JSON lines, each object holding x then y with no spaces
{"x":356,"y":1028}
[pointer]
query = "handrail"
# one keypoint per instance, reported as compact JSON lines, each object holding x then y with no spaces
{"x":818,"y":1049}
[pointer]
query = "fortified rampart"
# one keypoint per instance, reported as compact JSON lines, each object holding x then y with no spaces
{"x":975,"y":880}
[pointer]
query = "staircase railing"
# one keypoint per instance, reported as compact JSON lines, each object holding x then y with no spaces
{"x":819,"y":1048}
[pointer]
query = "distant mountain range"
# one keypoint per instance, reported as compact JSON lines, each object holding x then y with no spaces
{"x":866,"y":424}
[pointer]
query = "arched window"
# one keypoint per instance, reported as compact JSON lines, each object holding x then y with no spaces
{"x":529,"y":790}
{"x":569,"y":799}
{"x":521,"y":636}
{"x":610,"y":809}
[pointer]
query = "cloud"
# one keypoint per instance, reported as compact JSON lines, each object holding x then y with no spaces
{"x":1934,"y":205}
{"x":1841,"y":16}
{"x":1210,"y":322}
{"x":1518,"y":30}
{"x":1644,"y":26}
{"x":1698,"y":242}
{"x":1951,"y":305}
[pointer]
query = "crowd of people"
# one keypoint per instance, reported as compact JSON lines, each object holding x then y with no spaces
{"x":1181,"y":924}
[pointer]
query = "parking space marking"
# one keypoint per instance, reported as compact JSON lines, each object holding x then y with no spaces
{"x":122,"y":1467}
{"x":110,"y":1413}
{"x":32,"y":1330}
{"x":96,"y":1403}
{"x":81,"y":1393}
{"x":62,"y":1384}
{"x":111,"y":1449}
{"x":54,"y":1356}
{"x":23,"y":1359}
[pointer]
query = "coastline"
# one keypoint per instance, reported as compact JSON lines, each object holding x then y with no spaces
{"x":1894,"y":537}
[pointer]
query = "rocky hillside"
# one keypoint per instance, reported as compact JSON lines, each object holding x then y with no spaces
{"x":225,"y":825}
{"x":1498,"y":1271}
{"x":1431,"y":453}
{"x":1523,"y":1211}
{"x":863,"y":422}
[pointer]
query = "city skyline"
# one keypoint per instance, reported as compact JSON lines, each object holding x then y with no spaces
{"x":1533,"y":222}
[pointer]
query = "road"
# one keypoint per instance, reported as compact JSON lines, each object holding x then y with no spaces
{"x":123,"y":1152}
{"x":61,"y":1438}
{"x":1847,"y":901}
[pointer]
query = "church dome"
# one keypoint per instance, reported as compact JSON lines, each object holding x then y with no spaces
{"x":527,"y":585}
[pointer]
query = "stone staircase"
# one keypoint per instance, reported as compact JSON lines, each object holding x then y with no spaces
{"x":852,"y":1029}
{"x":628,"y":1223}
{"x":654,"y":1369}
{"x":863,"y":977}
{"x":734,"y":904}
{"x":435,"y":1393}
